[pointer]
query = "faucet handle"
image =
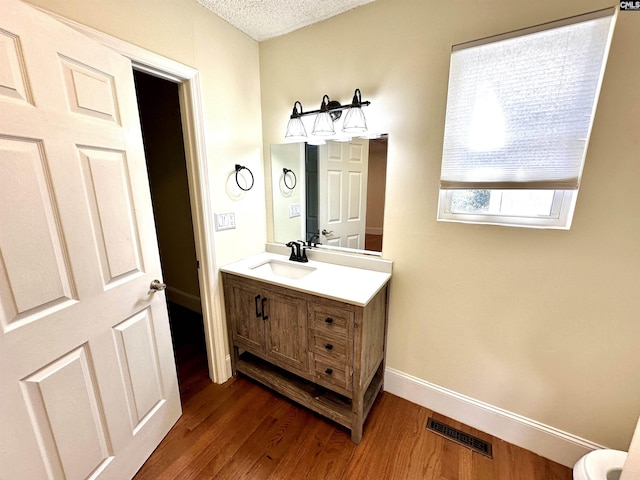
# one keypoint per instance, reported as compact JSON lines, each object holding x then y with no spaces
{"x":294,"y":256}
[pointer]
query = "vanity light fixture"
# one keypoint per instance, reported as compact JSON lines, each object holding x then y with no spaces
{"x":295,"y":127}
{"x":354,"y":121}
{"x":323,"y":125}
{"x":327,"y":114}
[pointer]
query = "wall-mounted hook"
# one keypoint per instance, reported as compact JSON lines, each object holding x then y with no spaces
{"x":238,"y":169}
{"x":286,"y":171}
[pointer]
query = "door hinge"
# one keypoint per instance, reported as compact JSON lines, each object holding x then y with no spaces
{"x":197,"y":263}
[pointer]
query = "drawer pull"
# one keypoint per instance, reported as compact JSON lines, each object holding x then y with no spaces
{"x":328,"y":371}
{"x":328,"y":320}
{"x":328,"y":346}
{"x":258,"y":314}
{"x":264,"y":315}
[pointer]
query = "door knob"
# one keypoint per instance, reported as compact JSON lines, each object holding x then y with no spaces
{"x":325,"y":232}
{"x":157,"y":285}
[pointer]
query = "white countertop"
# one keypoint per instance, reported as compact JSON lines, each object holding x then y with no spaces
{"x":356,"y":286}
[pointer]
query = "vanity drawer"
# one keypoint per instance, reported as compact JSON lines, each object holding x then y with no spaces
{"x":332,"y":372}
{"x":330,"y":346}
{"x":331,"y":320}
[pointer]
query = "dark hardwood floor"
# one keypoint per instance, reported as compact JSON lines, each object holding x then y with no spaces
{"x":373,"y":242}
{"x":187,"y":332}
{"x":239,"y":430}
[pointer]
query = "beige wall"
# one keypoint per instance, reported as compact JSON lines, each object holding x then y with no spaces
{"x":545,"y":324}
{"x":227,"y":60}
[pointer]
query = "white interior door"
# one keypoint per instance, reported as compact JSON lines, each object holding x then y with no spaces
{"x":342,"y":185}
{"x":87,"y":374}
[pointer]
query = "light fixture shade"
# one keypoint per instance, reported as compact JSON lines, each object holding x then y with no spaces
{"x":354,"y":121}
{"x":295,"y":129}
{"x":323,"y":124}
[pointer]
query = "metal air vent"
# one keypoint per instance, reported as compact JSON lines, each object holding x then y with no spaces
{"x":460,"y":438}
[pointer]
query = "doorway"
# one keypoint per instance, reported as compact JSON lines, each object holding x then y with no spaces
{"x":162,"y":133}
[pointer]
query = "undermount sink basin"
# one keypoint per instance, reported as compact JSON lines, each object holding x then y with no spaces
{"x":284,"y":269}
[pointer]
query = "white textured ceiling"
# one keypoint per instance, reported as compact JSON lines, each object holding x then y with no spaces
{"x":264,"y":19}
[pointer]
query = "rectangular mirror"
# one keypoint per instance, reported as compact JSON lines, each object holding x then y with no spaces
{"x":333,"y":194}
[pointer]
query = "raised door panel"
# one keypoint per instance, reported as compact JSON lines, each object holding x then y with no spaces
{"x":35,"y":278}
{"x":89,"y":91}
{"x":286,"y":326}
{"x":13,"y":82}
{"x":65,"y":407}
{"x":138,"y":355}
{"x":108,"y":191}
{"x":245,"y":309}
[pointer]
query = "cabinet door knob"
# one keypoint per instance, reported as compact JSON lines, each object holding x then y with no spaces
{"x":328,"y":371}
{"x":328,"y":320}
{"x":328,"y":346}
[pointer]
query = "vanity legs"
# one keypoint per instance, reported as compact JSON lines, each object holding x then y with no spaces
{"x":358,"y":420}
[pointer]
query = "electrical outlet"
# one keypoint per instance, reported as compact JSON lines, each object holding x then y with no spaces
{"x":294,"y":210}
{"x":225,"y":221}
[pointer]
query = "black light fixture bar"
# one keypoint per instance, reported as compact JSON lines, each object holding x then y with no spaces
{"x":333,"y":108}
{"x":330,"y":105}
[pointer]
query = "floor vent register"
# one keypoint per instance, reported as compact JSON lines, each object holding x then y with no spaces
{"x":460,"y":438}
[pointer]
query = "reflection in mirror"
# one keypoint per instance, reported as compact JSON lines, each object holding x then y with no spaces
{"x":339,"y":200}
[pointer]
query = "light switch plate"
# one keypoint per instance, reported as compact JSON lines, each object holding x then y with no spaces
{"x":294,"y":210}
{"x":225,"y":221}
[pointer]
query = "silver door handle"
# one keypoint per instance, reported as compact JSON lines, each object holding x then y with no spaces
{"x":325,"y":233}
{"x":157,"y":285}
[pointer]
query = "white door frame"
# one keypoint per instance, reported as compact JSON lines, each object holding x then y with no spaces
{"x":189,"y":91}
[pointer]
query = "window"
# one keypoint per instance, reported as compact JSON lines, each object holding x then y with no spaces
{"x":520,"y":108}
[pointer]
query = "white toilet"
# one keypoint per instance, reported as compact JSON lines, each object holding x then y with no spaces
{"x":600,"y":465}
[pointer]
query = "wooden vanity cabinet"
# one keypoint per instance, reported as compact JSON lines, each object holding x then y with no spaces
{"x":324,"y":354}
{"x":268,"y":323}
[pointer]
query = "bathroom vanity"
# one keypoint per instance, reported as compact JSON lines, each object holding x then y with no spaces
{"x":313,"y":332}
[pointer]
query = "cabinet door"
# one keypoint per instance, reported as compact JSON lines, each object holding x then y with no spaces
{"x":286,"y":330}
{"x":245,"y":310}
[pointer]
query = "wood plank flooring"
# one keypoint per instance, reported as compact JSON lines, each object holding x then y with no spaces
{"x":240,"y":430}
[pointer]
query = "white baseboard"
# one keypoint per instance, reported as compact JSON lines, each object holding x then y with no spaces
{"x":374,"y":230}
{"x":546,"y":441}
{"x":187,"y":300}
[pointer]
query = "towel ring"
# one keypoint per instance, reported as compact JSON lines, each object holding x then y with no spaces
{"x":238,"y":168}
{"x":295,"y":180}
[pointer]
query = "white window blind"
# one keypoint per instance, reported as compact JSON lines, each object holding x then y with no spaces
{"x":520,"y":106}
